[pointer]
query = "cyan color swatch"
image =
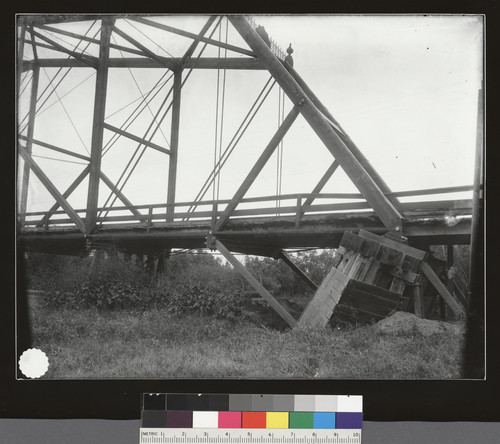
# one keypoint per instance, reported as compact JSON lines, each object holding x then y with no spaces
{"x":324,"y":420}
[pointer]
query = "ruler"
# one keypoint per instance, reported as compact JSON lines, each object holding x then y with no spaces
{"x":249,"y":436}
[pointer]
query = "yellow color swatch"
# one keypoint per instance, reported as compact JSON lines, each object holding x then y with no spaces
{"x":276,"y":420}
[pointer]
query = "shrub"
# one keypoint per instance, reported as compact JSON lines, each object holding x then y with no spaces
{"x":109,"y":284}
{"x":194,"y":298}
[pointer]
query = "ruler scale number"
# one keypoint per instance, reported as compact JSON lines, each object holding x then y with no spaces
{"x":249,"y":436}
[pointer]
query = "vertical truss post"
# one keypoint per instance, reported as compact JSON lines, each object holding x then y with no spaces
{"x":98,"y":124}
{"x":174,"y":144}
{"x":29,"y":144}
{"x":384,"y":209}
{"x":20,"y":55}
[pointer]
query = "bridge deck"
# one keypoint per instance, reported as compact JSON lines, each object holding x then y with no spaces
{"x":262,"y":231}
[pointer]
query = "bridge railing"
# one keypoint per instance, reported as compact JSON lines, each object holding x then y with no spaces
{"x":275,"y":48}
{"x":292,"y":206}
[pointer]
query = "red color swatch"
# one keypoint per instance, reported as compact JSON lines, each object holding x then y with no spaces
{"x":253,"y":420}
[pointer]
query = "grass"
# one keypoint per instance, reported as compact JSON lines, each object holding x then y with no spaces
{"x":155,"y":344}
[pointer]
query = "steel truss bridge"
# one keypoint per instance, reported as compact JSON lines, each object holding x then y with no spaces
{"x":265,"y":225}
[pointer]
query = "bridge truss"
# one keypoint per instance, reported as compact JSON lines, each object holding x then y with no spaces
{"x":260,"y":225}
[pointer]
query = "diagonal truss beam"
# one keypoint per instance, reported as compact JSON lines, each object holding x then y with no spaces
{"x":89,"y":39}
{"x":55,"y":148}
{"x":286,"y":259}
{"x":167,"y":63}
{"x":136,"y":138}
{"x":51,"y":188}
{"x":197,"y":39}
{"x":66,"y":194}
{"x":193,"y":36}
{"x":254,"y":172}
{"x":344,"y":136}
{"x":88,"y":60}
{"x":240,"y":268}
{"x":122,"y":197}
{"x":384,"y":209}
{"x":322,"y":182}
{"x":441,"y":289}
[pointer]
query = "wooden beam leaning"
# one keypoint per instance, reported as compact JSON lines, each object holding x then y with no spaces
{"x":254,"y":172}
{"x":29,"y":142}
{"x":193,"y":36}
{"x":66,"y":194}
{"x":51,"y":188}
{"x":387,"y":213}
{"x":286,"y":259}
{"x":174,"y":144}
{"x":136,"y":138}
{"x":88,"y":60}
{"x":441,"y":289}
{"x":98,"y":124}
{"x":240,"y":268}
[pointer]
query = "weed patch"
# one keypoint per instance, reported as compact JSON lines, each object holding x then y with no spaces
{"x":89,"y":343}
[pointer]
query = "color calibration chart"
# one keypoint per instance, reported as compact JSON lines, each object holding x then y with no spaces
{"x":238,"y":418}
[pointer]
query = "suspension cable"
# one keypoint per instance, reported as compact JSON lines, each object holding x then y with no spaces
{"x":69,"y":117}
{"x":39,"y":98}
{"x":222,"y":111}
{"x":137,"y":111}
{"x":139,"y":88}
{"x":217,"y":93}
{"x":158,"y":85}
{"x":280,"y":175}
{"x":150,"y":39}
{"x":236,"y":138}
{"x":40,"y":112}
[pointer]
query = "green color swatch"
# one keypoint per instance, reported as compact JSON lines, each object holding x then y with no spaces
{"x":301,"y":420}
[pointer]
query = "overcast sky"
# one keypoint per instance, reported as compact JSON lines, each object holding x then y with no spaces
{"x":403,"y":87}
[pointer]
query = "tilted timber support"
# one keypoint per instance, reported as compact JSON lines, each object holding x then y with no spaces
{"x":286,"y":259}
{"x":240,"y":268}
{"x":384,"y":209}
{"x":457,"y":308}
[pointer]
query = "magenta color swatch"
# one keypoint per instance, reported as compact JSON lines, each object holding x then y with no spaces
{"x":230,"y":420}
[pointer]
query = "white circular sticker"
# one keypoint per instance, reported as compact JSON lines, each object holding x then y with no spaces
{"x":33,"y":363}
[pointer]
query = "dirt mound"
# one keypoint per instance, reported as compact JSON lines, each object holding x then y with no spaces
{"x":403,"y":322}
